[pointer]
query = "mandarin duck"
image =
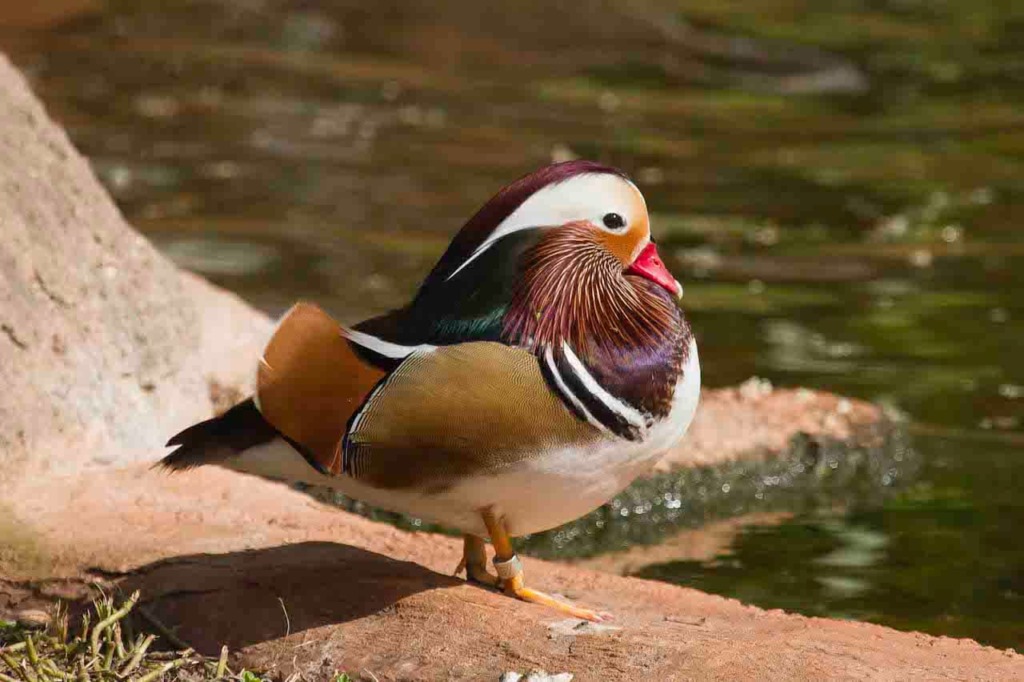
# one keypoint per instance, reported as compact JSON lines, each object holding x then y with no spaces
{"x":542,"y":365}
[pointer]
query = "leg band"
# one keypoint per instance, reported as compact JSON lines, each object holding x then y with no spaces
{"x":509,"y":568}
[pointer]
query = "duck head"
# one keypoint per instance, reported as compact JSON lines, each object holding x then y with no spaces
{"x":594,"y":202}
{"x":562,"y":254}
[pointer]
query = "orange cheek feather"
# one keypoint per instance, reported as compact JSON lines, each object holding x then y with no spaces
{"x":626,"y":246}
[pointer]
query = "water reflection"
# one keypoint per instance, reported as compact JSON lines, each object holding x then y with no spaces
{"x":838,"y":186}
{"x":938,"y":557}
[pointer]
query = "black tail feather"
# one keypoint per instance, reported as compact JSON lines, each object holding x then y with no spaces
{"x":219,"y":439}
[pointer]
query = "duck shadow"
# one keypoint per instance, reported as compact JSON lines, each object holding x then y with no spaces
{"x":241,"y":598}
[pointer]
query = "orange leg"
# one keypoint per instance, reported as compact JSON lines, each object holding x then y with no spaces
{"x":474,"y":561}
{"x":510,"y":574}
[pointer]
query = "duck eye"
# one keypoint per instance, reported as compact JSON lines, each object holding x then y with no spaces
{"x":613,"y":221}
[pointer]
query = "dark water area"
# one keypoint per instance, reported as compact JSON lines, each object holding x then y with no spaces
{"x":840,"y":188}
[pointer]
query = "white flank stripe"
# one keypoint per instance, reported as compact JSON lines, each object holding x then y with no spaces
{"x":550,"y":361}
{"x":630,"y":414}
{"x":358,"y":420}
{"x":382,"y":347}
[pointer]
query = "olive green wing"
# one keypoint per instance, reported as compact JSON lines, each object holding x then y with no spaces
{"x":450,"y":412}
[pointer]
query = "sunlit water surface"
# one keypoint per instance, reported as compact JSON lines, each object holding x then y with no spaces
{"x":840,"y":191}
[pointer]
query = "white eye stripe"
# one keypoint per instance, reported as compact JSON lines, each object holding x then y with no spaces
{"x":589,"y":196}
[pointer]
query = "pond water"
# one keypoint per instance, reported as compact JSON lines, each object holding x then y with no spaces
{"x":840,"y":191}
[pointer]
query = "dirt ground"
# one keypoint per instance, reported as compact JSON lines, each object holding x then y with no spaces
{"x":294,"y":586}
